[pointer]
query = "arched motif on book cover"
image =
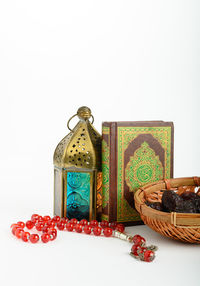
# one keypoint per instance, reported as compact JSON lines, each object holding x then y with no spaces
{"x":143,"y":163}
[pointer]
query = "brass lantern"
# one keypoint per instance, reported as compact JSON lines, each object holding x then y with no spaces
{"x":77,"y":170}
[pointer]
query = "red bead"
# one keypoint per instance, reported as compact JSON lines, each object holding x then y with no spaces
{"x":94,"y":223}
{"x":107,"y":231}
{"x":139,"y":240}
{"x":78,"y":228}
{"x":40,"y":219}
{"x":97,"y":230}
{"x":87,"y":229}
{"x":56,"y":218}
{"x":141,"y":251}
{"x":18,"y":232}
{"x":60,"y":225}
{"x":69,"y":226}
{"x":74,"y":221}
{"x":39,"y":226}
{"x":135,"y":237}
{"x":34,"y":238}
{"x":83,"y":222}
{"x":50,"y":223}
{"x":149,"y":255}
{"x":45,"y":229}
{"x":120,"y":227}
{"x":46,"y":218}
{"x":34,"y":217}
{"x":25,"y":236}
{"x":53,"y":234}
{"x":21,"y":224}
{"x":30,"y":224}
{"x":14,"y":229}
{"x":64,"y":220}
{"x":104,"y":223}
{"x":113,"y":225}
{"x":135,"y":249}
{"x":13,"y":225}
{"x":45,"y":237}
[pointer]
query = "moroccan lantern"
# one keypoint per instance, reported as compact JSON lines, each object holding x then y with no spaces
{"x":77,"y":170}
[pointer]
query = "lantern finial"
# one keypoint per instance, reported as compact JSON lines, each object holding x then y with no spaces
{"x":84,"y":112}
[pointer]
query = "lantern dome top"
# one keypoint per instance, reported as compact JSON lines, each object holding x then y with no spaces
{"x":81,"y":148}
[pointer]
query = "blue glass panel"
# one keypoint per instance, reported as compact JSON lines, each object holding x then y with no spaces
{"x":78,"y":195}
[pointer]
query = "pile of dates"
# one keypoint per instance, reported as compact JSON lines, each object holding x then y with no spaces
{"x":187,"y":202}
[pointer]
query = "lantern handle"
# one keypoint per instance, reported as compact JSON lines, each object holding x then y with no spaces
{"x":73,"y":117}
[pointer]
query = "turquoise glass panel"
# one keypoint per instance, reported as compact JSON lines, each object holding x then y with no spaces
{"x":78,"y":195}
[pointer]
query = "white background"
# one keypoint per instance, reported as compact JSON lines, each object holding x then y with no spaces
{"x":126,"y":60}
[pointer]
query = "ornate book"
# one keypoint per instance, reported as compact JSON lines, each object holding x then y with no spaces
{"x":133,"y":155}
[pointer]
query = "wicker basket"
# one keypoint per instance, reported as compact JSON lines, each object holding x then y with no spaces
{"x":180,"y":226}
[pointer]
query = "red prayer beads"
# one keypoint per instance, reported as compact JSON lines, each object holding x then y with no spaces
{"x":47,"y":225}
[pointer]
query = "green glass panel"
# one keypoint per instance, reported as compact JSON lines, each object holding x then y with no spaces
{"x":78,"y":195}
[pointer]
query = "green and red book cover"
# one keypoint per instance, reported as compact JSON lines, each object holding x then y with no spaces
{"x":133,"y":154}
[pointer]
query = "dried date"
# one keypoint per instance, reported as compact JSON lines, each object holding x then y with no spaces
{"x":187,"y":206}
{"x":171,"y":201}
{"x":189,"y":196}
{"x":197,"y":203}
{"x":156,"y":206}
{"x":187,"y":202}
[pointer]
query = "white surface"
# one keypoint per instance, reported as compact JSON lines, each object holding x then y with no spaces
{"x":127,"y":60}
